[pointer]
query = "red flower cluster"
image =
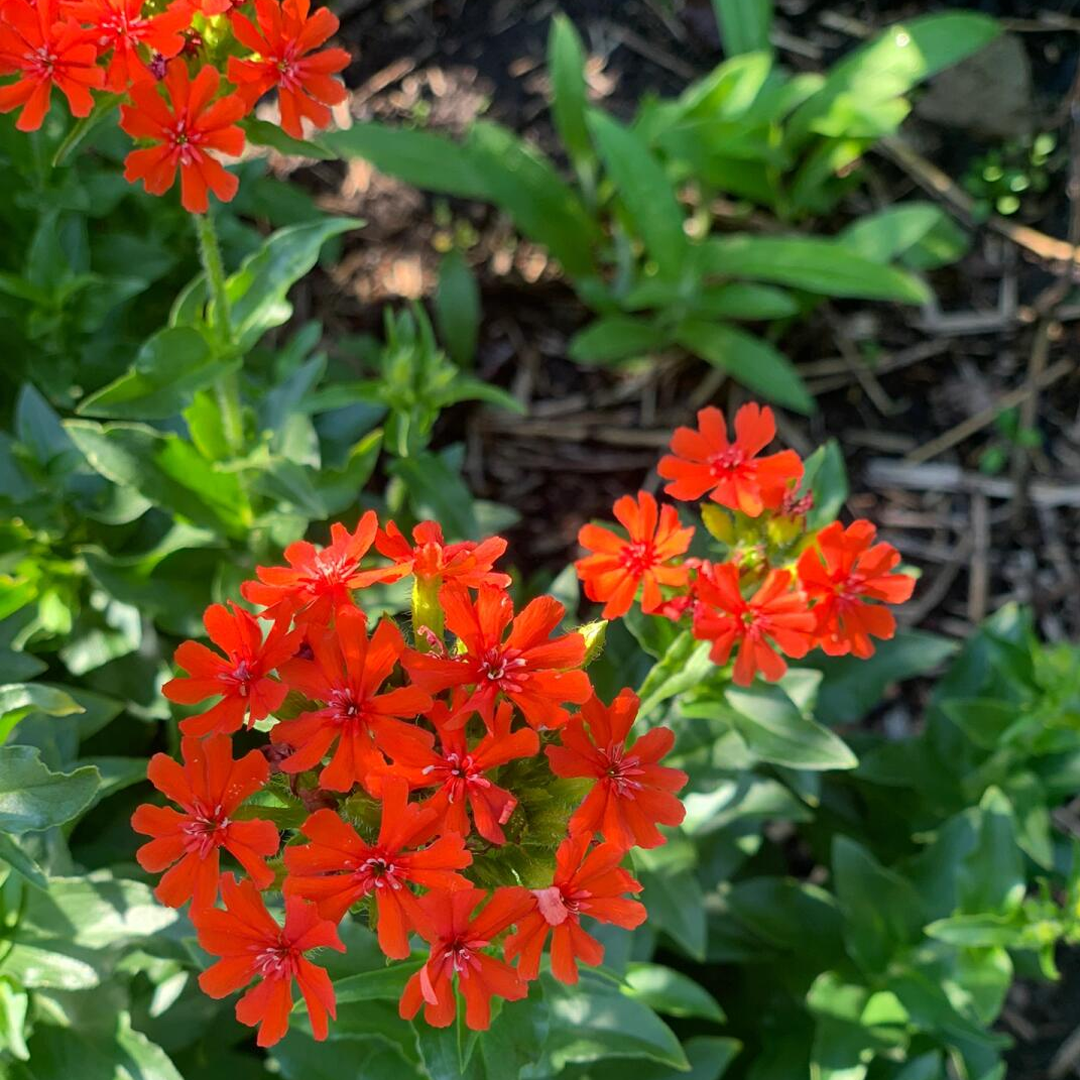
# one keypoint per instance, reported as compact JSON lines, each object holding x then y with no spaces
{"x":147,"y":55}
{"x":787,"y":591}
{"x":420,"y":758}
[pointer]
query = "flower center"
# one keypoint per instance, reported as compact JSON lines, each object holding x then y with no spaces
{"x":240,"y":678}
{"x":458,"y":772}
{"x":621,"y":771}
{"x":278,"y":961}
{"x":185,"y":142}
{"x":504,"y":667}
{"x":461,"y":955}
{"x":379,"y":872}
{"x":204,"y":831}
{"x":727,"y":460}
{"x":344,"y":707}
{"x":42,"y":61}
{"x":638,"y":557}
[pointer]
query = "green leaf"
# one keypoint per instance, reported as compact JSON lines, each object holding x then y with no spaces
{"x":991,"y":876}
{"x":299,"y":1057}
{"x":33,"y":797}
{"x":340,"y":488}
{"x":60,"y":1053}
{"x":852,"y":687}
{"x":826,"y":267}
{"x":982,"y":931}
{"x":382,"y":984}
{"x":263,"y":133}
{"x":12,"y":854}
{"x":592,"y":1021}
{"x":883,"y":911}
{"x":526,"y":185}
{"x":749,"y":360}
{"x":670,"y":992}
{"x":164,"y":469}
{"x":38,"y":427}
{"x":457,"y":308}
{"x":438,"y":493}
{"x":918,"y":231}
{"x":645,"y":191}
{"x":566,"y":65}
{"x":612,"y":338}
{"x":684,"y":665}
{"x":169,"y":368}
{"x":983,"y":720}
{"x":709,"y":1057}
{"x":676,"y":905}
{"x":775,"y":730}
{"x":18,"y":700}
{"x":257,"y":291}
{"x":744,"y":25}
{"x":825,"y":477}
{"x":419,"y":158}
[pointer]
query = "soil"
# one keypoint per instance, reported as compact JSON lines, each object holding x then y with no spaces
{"x":984,"y":531}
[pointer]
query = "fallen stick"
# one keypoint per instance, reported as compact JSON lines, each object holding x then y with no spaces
{"x":941,"y":477}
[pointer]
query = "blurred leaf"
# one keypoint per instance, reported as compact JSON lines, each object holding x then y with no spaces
{"x":645,"y":191}
{"x":12,"y":854}
{"x":420,"y":158}
{"x":438,"y":493}
{"x":741,"y":300}
{"x":991,"y":876}
{"x":744,"y":25}
{"x":826,"y":267}
{"x":525,"y":184}
{"x":676,"y":906}
{"x":33,"y":797}
{"x":20,"y":699}
{"x":566,"y":65}
{"x":38,"y":426}
{"x":825,"y":477}
{"x":457,"y":308}
{"x":749,"y":360}
{"x":615,"y":337}
{"x":263,"y":133}
{"x":921,"y":234}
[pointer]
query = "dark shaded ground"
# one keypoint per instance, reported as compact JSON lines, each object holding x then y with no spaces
{"x":915,"y":421}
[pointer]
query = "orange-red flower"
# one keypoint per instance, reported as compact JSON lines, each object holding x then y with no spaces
{"x":586,"y":882}
{"x":185,"y":131}
{"x":319,"y":582}
{"x":530,"y":668}
{"x":45,"y":49}
{"x":346,"y":674}
{"x":208,"y":787}
{"x":241,"y":677}
{"x":282,"y":44}
{"x":120,"y":26}
{"x":252,"y":946}
{"x":460,"y":773}
{"x":337,"y":868}
{"x":632,"y":792}
{"x":457,"y":943}
{"x":612,"y":575}
{"x":431,"y":559}
{"x":776,"y":619}
{"x":850,"y":578}
{"x":731,"y":472}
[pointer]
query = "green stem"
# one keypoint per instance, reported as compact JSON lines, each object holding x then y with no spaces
{"x":228,"y":386}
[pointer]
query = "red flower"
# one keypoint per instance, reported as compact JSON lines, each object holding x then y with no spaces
{"x":432,"y":559}
{"x":119,"y":25}
{"x":843,"y":571}
{"x":731,"y":472}
{"x":287,"y":36}
{"x":346,"y":674}
{"x":586,"y":882}
{"x":632,"y":792}
{"x":184,"y":133}
{"x":209,"y":787}
{"x":619,"y":566}
{"x":46,"y":50}
{"x":529,"y":667}
{"x":775,"y":620}
{"x":241,"y":677}
{"x":252,"y":945}
{"x":337,"y":868}
{"x":457,"y":944}
{"x":460,"y":773}
{"x":319,"y":582}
